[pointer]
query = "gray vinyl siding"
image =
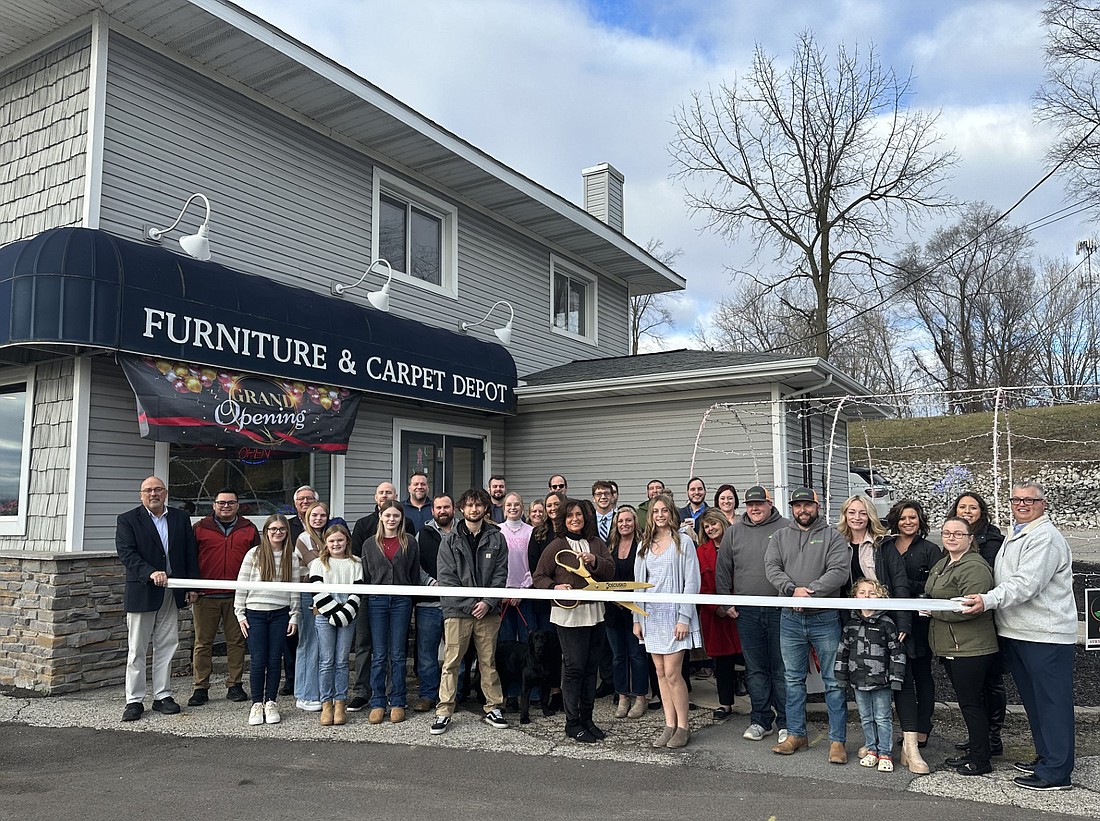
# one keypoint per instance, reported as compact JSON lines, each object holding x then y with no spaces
{"x":51,"y":434}
{"x":118,"y":458}
{"x":639,"y":439}
{"x":369,"y":459}
{"x":816,"y":450}
{"x":295,"y":206}
{"x":43,"y":137}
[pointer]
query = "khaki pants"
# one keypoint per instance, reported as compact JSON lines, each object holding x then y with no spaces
{"x":457,"y":632}
{"x":162,"y":627}
{"x":208,"y":613}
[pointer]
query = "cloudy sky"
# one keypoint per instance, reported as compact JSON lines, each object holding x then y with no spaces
{"x":549,"y":87}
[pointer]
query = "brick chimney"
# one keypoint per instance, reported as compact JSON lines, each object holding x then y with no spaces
{"x":603,"y":194}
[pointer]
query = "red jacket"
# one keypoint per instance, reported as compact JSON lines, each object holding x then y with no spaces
{"x":220,"y":555}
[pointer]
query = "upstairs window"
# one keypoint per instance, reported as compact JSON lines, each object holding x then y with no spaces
{"x":416,"y":233}
{"x":573,"y":301}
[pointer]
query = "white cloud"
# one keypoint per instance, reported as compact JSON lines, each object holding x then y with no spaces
{"x":547,"y":89}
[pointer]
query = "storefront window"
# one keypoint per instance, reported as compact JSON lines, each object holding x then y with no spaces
{"x":13,"y":412}
{"x":265,"y":480}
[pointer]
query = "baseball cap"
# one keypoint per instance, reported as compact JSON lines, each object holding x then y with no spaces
{"x":756,"y":493}
{"x":803,"y":494}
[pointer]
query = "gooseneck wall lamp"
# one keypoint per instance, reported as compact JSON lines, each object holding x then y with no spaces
{"x":503,"y":334}
{"x":195,"y":245}
{"x":379,"y":299}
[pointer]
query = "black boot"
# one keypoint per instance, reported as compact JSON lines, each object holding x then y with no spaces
{"x":588,"y":724}
{"x":578,"y":732}
{"x":996,"y":702}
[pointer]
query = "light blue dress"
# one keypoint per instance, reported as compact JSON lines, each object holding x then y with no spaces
{"x":674,"y":571}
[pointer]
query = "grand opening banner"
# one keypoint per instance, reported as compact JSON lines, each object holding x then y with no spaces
{"x":190,"y":404}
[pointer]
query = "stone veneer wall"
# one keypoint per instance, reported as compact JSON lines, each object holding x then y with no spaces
{"x":62,"y":626}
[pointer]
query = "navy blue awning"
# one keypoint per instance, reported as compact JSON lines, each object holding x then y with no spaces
{"x":88,"y":288}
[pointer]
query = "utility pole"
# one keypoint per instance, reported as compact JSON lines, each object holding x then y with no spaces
{"x":1087,"y":247}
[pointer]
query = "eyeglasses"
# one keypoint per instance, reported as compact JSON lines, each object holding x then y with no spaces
{"x":226,"y":504}
{"x":955,"y":534}
{"x":1026,"y":501}
{"x":276,"y":530}
{"x":557,"y":487}
{"x":305,"y":499}
{"x":602,"y":493}
{"x":153,"y":490}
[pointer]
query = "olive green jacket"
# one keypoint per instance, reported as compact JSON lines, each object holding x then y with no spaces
{"x":955,"y":634}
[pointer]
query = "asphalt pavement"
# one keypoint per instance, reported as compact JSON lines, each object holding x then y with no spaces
{"x":69,"y":756}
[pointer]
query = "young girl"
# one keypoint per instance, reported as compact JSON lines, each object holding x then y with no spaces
{"x":335,"y":621}
{"x":390,"y":556}
{"x":871,"y":657}
{"x":306,"y":660}
{"x":666,"y":558}
{"x":267,"y":617}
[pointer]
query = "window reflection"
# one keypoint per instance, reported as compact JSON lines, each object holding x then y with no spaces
{"x":13,"y":409}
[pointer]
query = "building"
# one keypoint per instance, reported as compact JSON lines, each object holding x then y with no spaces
{"x":300,"y":176}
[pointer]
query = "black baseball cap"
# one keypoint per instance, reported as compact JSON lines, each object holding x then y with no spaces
{"x":756,"y":493}
{"x":803,"y":494}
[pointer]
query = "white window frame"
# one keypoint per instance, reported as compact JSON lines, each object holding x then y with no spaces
{"x":398,"y":188}
{"x":17,"y":525}
{"x":592,"y":295}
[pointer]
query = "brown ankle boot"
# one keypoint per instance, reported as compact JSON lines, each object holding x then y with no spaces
{"x":340,"y":713}
{"x":326,"y":714}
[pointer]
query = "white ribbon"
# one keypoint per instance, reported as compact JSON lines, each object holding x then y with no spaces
{"x":639,"y":597}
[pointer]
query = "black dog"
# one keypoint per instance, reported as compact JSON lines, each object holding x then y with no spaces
{"x":534,"y":664}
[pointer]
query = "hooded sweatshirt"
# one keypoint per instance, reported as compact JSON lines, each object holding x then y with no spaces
{"x":818,"y":558}
{"x":741,"y":556}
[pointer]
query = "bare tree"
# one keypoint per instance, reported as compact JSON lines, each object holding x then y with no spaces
{"x":972,"y":291}
{"x":1070,"y":96}
{"x":1064,"y":320}
{"x":649,"y":313}
{"x":759,"y":319}
{"x":819,"y":161}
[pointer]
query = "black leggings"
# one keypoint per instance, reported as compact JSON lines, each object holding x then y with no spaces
{"x":970,"y":675}
{"x":916,"y":699}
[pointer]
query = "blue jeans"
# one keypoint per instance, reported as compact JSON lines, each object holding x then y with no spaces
{"x":876,"y":714}
{"x":306,"y":662}
{"x":797,"y":633}
{"x":266,"y":642}
{"x":333,"y":647}
{"x":628,"y":657}
{"x":429,"y":632}
{"x":389,"y":629}
{"x":764,"y":673}
{"x":514,"y":628}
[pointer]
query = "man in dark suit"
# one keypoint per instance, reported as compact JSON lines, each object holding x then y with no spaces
{"x":154,"y":542}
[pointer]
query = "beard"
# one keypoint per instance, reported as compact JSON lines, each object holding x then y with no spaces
{"x":445,"y":520}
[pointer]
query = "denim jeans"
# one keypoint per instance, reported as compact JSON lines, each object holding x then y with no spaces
{"x":517,"y":622}
{"x":266,"y":642}
{"x":389,"y":628}
{"x":429,"y":632}
{"x":876,"y":714}
{"x":764,"y":673}
{"x":333,"y":646}
{"x":798,"y":632}
{"x":628,"y":657}
{"x":306,"y":663}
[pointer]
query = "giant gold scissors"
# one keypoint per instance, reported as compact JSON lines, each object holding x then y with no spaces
{"x":591,"y":583}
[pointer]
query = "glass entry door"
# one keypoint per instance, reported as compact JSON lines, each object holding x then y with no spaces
{"x":453,"y":463}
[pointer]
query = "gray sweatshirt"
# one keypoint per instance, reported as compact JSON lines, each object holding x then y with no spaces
{"x":741,"y":556}
{"x":1033,"y":596}
{"x":818,"y":558}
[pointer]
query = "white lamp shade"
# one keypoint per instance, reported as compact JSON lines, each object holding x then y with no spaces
{"x":197,"y":245}
{"x":504,"y":334}
{"x":380,"y":299}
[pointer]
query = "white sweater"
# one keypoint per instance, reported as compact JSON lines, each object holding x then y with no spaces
{"x":265,"y":599}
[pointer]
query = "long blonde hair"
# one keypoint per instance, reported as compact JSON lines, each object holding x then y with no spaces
{"x":317,"y":537}
{"x":265,"y":553}
{"x":874,"y":526}
{"x":651,"y":528}
{"x":323,"y":554}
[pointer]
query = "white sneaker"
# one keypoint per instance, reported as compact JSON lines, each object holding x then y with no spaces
{"x":256,"y":715}
{"x":756,"y":732}
{"x":271,"y":713}
{"x":782,"y":736}
{"x":308,"y":706}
